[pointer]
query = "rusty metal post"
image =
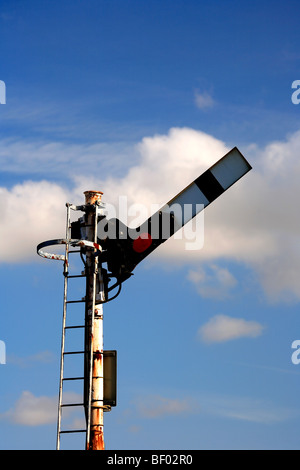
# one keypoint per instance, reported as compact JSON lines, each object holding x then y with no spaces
{"x":94,"y":332}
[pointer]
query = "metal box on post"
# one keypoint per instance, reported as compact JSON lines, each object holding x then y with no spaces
{"x":110,"y":378}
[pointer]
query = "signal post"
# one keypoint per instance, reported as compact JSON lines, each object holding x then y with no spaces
{"x":94,"y":377}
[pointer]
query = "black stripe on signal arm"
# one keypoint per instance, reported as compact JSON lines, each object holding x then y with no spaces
{"x":209,"y":186}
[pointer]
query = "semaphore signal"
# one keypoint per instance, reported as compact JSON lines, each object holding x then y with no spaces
{"x":110,"y":252}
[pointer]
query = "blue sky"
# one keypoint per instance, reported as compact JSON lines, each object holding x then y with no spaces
{"x":136,"y":99}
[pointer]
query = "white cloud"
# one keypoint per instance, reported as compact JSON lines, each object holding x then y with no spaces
{"x":255,"y":222}
{"x":215,"y":282}
{"x":223,"y":328}
{"x":31,"y":410}
{"x":240,"y":408}
{"x":204,"y":100}
{"x":246,"y":409}
{"x":43,"y":357}
{"x":58,"y":159}
{"x":156,"y":406}
{"x":30,"y":213}
{"x":167,"y":164}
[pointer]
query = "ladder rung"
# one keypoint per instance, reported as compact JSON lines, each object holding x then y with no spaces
{"x":75,"y":326}
{"x":74,"y":301}
{"x":72,"y":404}
{"x":73,"y":378}
{"x":74,"y":352}
{"x":72,"y":430}
{"x":74,"y":251}
{"x":76,"y":275}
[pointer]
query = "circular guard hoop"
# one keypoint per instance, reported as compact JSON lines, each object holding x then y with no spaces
{"x":63,"y":241}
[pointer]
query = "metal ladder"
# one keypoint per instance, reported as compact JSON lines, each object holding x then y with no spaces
{"x":62,"y":379}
